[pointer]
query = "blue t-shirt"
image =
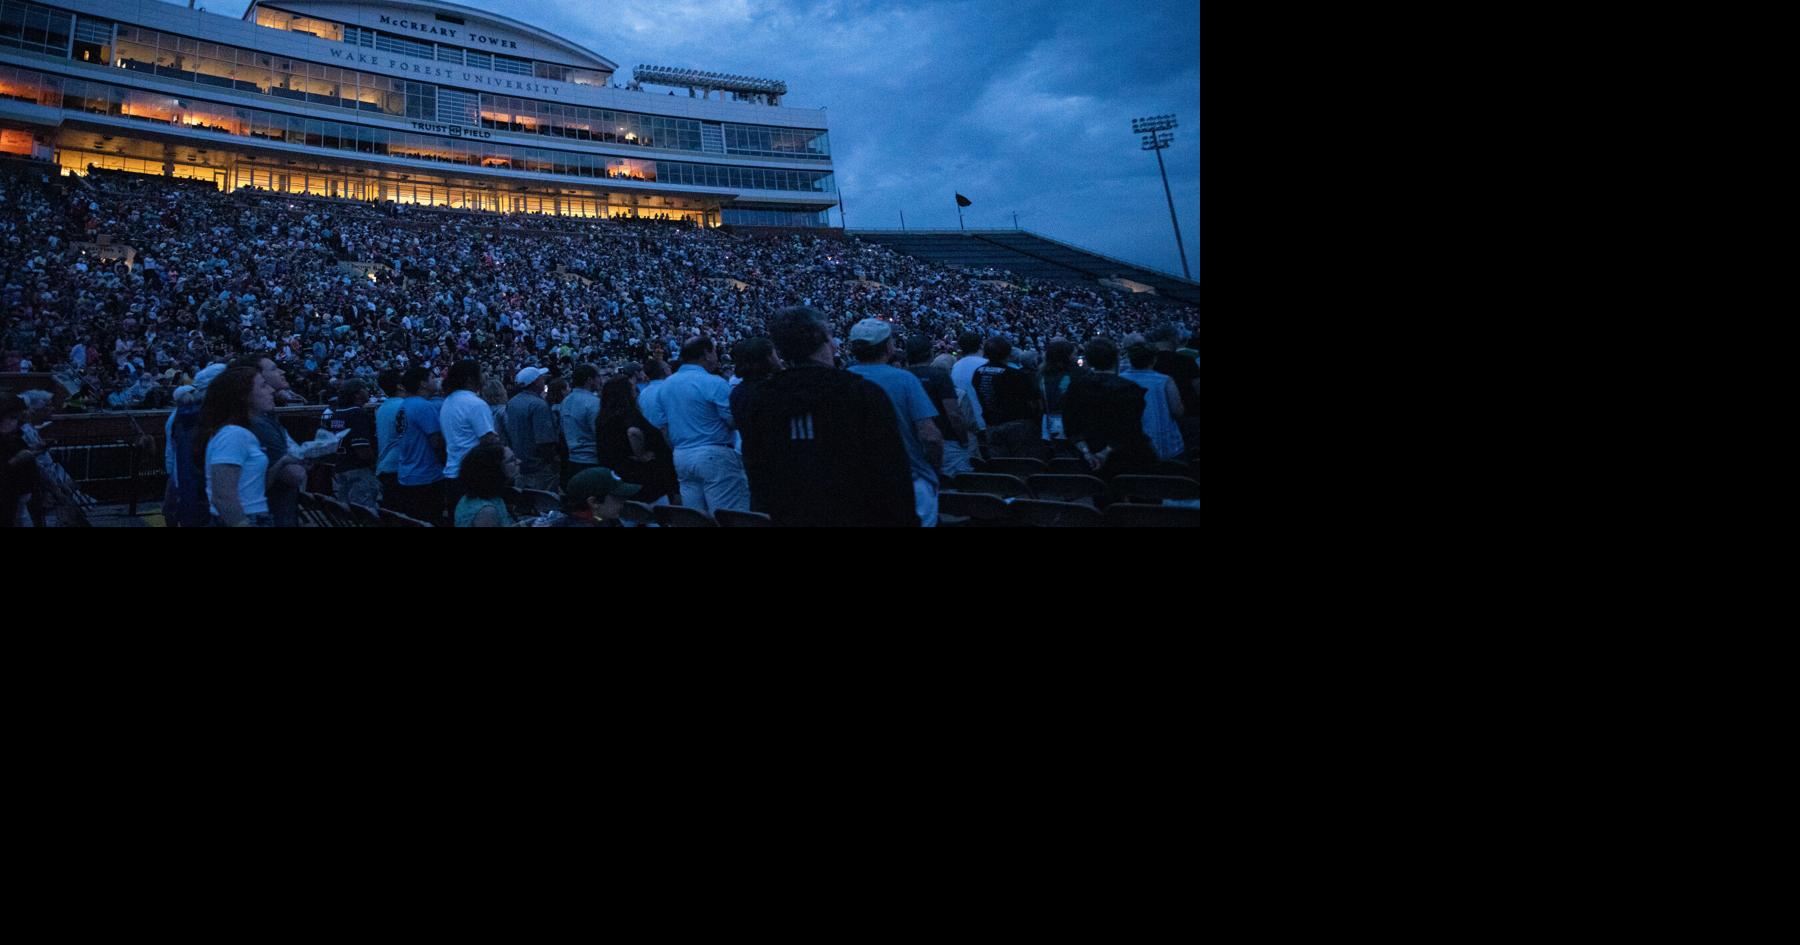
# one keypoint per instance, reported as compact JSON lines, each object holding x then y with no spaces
{"x":419,"y":463}
{"x":912,"y":405}
{"x":387,"y":437}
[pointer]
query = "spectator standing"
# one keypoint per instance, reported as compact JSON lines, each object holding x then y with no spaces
{"x":581,"y":421}
{"x":419,"y":468}
{"x":467,"y":422}
{"x":493,"y":393}
{"x":238,"y":467}
{"x":1162,"y":405}
{"x":1060,"y":372}
{"x":962,"y":373}
{"x":188,"y":476}
{"x":694,"y":406}
{"x":1104,"y":416}
{"x":284,"y":490}
{"x":387,"y":434}
{"x":872,"y":345}
{"x":531,"y":429}
{"x":355,"y":482}
{"x":825,"y":444}
{"x":1009,"y":402}
{"x":19,"y":476}
{"x":655,"y":372}
{"x":755,"y":361}
{"x":628,"y":443}
{"x":941,"y":391}
{"x":959,"y":453}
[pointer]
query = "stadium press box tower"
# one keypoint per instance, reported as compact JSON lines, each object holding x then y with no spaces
{"x":424,"y":103}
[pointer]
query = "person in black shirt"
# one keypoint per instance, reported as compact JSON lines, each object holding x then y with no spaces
{"x":938,"y":387}
{"x":1103,"y":415}
{"x":1060,"y":372}
{"x":355,"y":482}
{"x":755,"y":362}
{"x":1184,"y":370}
{"x":1009,"y":402}
{"x":822,"y":446}
{"x":18,"y":462}
{"x":626,"y":442}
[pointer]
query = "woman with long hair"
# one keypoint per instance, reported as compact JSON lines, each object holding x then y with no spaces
{"x":487,"y":474}
{"x":237,"y":470}
{"x":1060,"y":370}
{"x":628,"y":444}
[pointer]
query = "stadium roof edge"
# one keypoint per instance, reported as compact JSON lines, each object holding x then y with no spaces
{"x":456,"y":9}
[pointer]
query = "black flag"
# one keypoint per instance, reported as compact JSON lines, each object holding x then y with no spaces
{"x":962,"y":201}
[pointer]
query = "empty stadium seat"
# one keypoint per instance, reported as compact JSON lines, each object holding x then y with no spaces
{"x":1070,"y":466}
{"x":680,"y":516}
{"x":1131,"y":515}
{"x":995,"y":484}
{"x":1155,"y":488}
{"x":1022,"y":467}
{"x":970,"y":508}
{"x":1045,"y":514}
{"x":728,"y":518}
{"x":1067,"y":488}
{"x":393,"y":519}
{"x":637,"y":513}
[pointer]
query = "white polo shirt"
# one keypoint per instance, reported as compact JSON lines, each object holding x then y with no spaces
{"x":465,"y":419}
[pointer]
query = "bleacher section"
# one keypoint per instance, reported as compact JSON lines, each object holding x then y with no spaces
{"x":1027,"y":255}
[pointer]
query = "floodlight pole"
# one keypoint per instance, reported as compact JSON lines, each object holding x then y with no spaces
{"x":1156,"y":140}
{"x":1177,"y":223}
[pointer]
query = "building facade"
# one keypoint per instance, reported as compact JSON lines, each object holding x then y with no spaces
{"x":415,"y":102}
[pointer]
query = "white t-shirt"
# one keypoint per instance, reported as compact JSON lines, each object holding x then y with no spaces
{"x":962,"y":374}
{"x":465,"y":419}
{"x":235,"y":446}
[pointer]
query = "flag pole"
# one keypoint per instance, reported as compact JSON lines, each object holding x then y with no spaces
{"x":959,"y":219}
{"x":903,"y":220}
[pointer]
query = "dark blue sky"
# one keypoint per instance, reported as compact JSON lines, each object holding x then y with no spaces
{"x":1023,"y":105}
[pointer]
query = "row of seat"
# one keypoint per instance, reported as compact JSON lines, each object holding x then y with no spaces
{"x":1151,"y":490}
{"x":1069,"y":464}
{"x":955,"y":508}
{"x":973,"y":509}
{"x":324,"y":511}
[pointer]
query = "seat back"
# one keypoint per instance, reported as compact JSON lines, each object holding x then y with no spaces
{"x":337,"y":513}
{"x":997,"y":484}
{"x":680,"y":516}
{"x":1020,"y":466}
{"x":977,"y":508}
{"x":1070,"y":466}
{"x":1066,"y":488}
{"x":312,"y":511}
{"x":393,"y":519}
{"x":364,"y":517}
{"x":1045,"y":514}
{"x":541,"y":502}
{"x":637,"y":513}
{"x":1145,"y":489}
{"x":1131,"y":515}
{"x":728,"y":518}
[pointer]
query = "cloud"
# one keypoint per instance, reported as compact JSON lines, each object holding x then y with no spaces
{"x":1022,"y":105}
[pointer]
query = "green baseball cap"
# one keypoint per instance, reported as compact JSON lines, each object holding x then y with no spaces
{"x":597,"y":483}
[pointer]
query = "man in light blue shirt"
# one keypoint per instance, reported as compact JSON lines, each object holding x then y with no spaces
{"x":872,"y":345}
{"x":694,"y":408}
{"x":580,"y":417}
{"x":387,"y":431}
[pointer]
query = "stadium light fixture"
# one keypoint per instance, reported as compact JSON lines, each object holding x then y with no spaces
{"x":1158,"y":132}
{"x":696,"y":78}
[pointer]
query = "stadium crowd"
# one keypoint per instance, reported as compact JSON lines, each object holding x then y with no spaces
{"x":232,"y":304}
